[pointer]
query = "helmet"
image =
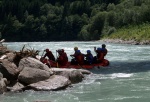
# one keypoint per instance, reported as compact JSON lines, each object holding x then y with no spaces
{"x":103,"y":45}
{"x":78,"y":51}
{"x":47,"y":50}
{"x":59,"y":50}
{"x":99,"y":49}
{"x":75,"y":48}
{"x":88,"y":51}
{"x":62,"y":50}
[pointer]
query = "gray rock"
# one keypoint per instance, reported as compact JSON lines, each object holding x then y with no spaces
{"x":83,"y":71}
{"x":74,"y":75}
{"x":33,"y":63}
{"x":1,"y":75}
{"x":4,"y":50}
{"x":10,"y":56}
{"x":8,"y":69}
{"x":32,"y":75}
{"x":3,"y":84}
{"x":58,"y":70}
{"x":15,"y":87}
{"x":55,"y":82}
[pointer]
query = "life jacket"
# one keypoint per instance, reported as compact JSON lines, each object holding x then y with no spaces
{"x":75,"y":53}
{"x":100,"y":55}
{"x":89,"y":58}
{"x":65,"y":57}
{"x":104,"y":50}
{"x":80,"y":59}
{"x":62,"y":59}
{"x":45,"y":61}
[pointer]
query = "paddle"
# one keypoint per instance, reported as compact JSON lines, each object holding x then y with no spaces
{"x":56,"y":60}
{"x":43,"y":53}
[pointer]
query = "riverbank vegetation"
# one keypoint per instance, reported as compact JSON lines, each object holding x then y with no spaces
{"x":137,"y":33}
{"x":63,"y":20}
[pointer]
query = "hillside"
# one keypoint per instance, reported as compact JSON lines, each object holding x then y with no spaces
{"x":73,"y":20}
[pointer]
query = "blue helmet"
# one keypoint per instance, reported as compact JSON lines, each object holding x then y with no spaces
{"x":88,"y":51}
{"x":78,"y":51}
{"x":99,"y":49}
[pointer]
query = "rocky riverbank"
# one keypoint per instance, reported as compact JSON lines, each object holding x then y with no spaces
{"x":21,"y":71}
{"x":120,"y":41}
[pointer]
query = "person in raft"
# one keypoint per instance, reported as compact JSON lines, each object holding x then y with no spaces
{"x":75,"y":51}
{"x":49,"y":55}
{"x":88,"y":57}
{"x":73,"y":55}
{"x":99,"y":55}
{"x":104,"y":50}
{"x":78,"y":58}
{"x":45,"y":61}
{"x":62,"y":58}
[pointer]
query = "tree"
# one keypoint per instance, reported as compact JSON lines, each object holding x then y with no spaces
{"x":97,"y":25}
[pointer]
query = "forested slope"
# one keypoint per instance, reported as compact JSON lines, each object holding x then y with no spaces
{"x":68,"y":20}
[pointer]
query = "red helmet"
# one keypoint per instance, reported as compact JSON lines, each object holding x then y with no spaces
{"x":47,"y":50}
{"x":62,"y":50}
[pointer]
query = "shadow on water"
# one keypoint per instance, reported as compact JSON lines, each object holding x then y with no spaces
{"x":123,"y":67}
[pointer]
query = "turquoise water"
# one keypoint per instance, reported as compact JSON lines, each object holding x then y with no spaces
{"x":127,"y":79}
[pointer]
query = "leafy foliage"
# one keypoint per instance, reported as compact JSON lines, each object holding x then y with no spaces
{"x":137,"y":33}
{"x":63,"y":20}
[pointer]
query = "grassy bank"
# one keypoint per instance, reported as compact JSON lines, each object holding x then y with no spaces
{"x":137,"y":33}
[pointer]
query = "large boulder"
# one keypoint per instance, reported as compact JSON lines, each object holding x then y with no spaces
{"x":74,"y":75}
{"x":32,"y":75}
{"x":33,"y":63}
{"x":8,"y":69}
{"x":54,"y":83}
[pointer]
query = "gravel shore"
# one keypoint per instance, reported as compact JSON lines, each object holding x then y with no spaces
{"x":120,"y":41}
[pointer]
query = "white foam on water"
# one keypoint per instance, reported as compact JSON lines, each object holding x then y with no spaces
{"x":120,"y":75}
{"x":122,"y":98}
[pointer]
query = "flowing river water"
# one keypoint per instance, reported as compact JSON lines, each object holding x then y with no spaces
{"x":126,"y":79}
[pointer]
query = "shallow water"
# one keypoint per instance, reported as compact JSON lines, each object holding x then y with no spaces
{"x":127,"y":79}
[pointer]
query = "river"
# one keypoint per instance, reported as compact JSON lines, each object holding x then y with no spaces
{"x":126,"y":79}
